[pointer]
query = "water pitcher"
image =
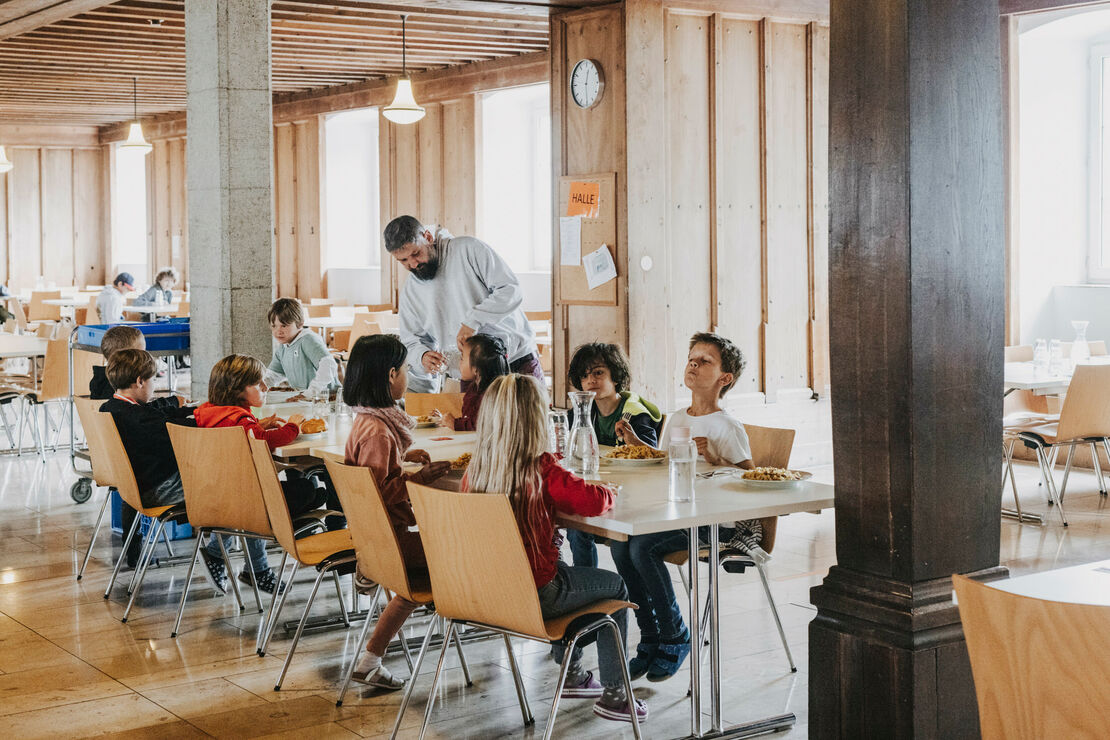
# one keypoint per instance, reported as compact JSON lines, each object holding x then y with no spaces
{"x":584,"y":457}
{"x":1080,"y":350}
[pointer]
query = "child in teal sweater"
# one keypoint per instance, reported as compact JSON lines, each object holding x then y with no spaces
{"x":300,"y":356}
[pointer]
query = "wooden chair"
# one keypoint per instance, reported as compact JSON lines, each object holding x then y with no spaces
{"x":320,"y":302}
{"x":102,"y":428}
{"x":54,"y":387}
{"x":1084,"y":419}
{"x":422,"y":404}
{"x":770,"y":447}
{"x":317,"y":310}
{"x":480,"y":576}
{"x":39,"y":311}
{"x":182,"y":309}
{"x":325,"y":551}
{"x":101,"y":465}
{"x":381,"y":561}
{"x":1096,"y":347}
{"x":1041,"y":668}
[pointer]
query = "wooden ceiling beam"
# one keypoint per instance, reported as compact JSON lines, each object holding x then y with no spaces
{"x":20,"y":16}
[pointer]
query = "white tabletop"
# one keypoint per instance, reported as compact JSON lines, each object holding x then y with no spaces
{"x":440,"y":443}
{"x":1023,"y":376}
{"x":74,"y":300}
{"x":163,"y":309}
{"x":1080,"y":584}
{"x":329,"y":322}
{"x":22,"y":345}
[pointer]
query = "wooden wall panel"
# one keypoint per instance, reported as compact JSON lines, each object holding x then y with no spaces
{"x":158,"y":204}
{"x":430,"y":134}
{"x":3,"y":230}
{"x":285,"y":210}
{"x":739,"y":196}
{"x":89,"y":215}
{"x":25,"y":218}
{"x":818,"y":39}
{"x":57,"y":215}
{"x":459,"y":164}
{"x":179,"y":215}
{"x":787,"y":325}
{"x":309,"y":273}
{"x":687,"y":47}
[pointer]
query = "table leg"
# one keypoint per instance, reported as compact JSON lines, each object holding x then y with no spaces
{"x":695,"y":637}
{"x":714,"y":631}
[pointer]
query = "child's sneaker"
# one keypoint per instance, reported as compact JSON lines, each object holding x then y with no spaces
{"x":588,"y":688}
{"x":668,"y":659}
{"x":619,"y":711}
{"x":266,"y":581}
{"x":645,"y":654}
{"x":215,"y":571}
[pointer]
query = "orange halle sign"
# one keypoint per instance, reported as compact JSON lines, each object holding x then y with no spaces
{"x":584,"y":199}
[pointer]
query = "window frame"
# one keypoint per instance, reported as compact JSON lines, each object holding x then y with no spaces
{"x":1099,"y":174}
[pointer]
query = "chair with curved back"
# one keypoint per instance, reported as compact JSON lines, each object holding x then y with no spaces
{"x":1041,"y":668}
{"x":422,"y":404}
{"x":481,"y":577}
{"x":770,"y":447}
{"x":101,"y":466}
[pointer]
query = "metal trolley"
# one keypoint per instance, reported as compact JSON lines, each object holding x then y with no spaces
{"x":163,"y":339}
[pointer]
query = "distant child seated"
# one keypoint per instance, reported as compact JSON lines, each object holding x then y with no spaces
{"x":300,"y":356}
{"x":713,"y":366}
{"x":381,"y":439}
{"x":511,"y":459}
{"x":484,"y":359}
{"x":604,"y":369}
{"x":234,"y":386}
{"x":141,"y":422}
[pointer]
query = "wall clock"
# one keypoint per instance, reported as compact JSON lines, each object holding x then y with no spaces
{"x":587,"y":82}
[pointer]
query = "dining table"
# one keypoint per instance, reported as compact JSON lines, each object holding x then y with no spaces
{"x":642,"y":506}
{"x":1077,"y":584}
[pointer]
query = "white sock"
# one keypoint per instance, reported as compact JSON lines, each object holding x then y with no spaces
{"x":368,"y":663}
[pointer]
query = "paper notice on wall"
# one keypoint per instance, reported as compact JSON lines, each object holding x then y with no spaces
{"x":570,"y":240}
{"x":599,"y":267}
{"x":584,"y":199}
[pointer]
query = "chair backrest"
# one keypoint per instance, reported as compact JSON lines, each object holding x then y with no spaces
{"x":1041,"y":668}
{"x":39,"y":311}
{"x":378,"y":308}
{"x":317,"y":310}
{"x":55,"y":372}
{"x":219,"y":477}
{"x":770,"y":448}
{"x":1086,"y":410}
{"x":1097,"y":348}
{"x":87,"y":409}
{"x":1019,"y":353}
{"x":120,"y":472}
{"x":363,"y":325}
{"x":375,"y":540}
{"x":17,"y":309}
{"x":320,"y":301}
{"x":420,"y":404}
{"x":476,"y":559}
{"x":537,"y":315}
{"x":272,"y":496}
{"x":182,"y":309}
{"x":1024,"y":401}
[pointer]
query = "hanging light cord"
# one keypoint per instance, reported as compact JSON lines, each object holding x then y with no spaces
{"x":135,"y":96}
{"x":404,"y":68}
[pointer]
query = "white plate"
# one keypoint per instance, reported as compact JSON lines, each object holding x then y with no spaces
{"x":314,"y":435}
{"x":634,"y":463}
{"x":425,"y":424}
{"x":772,"y":484}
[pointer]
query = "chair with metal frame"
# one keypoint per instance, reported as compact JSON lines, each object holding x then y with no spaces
{"x":39,"y":311}
{"x":103,"y":428}
{"x":770,"y":447}
{"x":325,"y":551}
{"x":422,"y":404}
{"x":53,"y":387}
{"x":481,"y":577}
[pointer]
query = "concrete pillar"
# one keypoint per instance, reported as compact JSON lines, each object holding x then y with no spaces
{"x":229,"y":160}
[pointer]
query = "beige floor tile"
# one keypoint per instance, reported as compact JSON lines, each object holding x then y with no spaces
{"x":210,"y":696}
{"x":114,"y":714}
{"x":40,"y":688}
{"x":330,"y":731}
{"x":271,"y":717}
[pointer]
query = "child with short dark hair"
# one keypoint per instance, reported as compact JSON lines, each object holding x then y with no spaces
{"x":483,"y":360}
{"x":300,"y":356}
{"x":713,"y":366}
{"x":115,"y":339}
{"x":141,"y":420}
{"x":381,"y":439}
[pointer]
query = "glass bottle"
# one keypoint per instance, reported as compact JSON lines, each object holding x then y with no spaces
{"x":1080,"y":350}
{"x":683,"y":458}
{"x":585,"y":456}
{"x":1040,"y":357}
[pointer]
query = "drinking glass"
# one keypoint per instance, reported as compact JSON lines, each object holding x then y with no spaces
{"x":557,"y":433}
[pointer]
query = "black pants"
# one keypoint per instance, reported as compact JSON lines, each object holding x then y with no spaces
{"x":302,"y":494}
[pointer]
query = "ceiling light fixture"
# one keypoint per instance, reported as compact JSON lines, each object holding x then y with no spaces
{"x":403,"y":109}
{"x":135,"y":140}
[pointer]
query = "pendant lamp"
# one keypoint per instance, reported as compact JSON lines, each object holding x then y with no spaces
{"x":5,"y":163}
{"x":403,"y":109}
{"x":135,"y":140}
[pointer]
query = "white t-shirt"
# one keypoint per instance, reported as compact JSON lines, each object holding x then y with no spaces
{"x":727,"y":437}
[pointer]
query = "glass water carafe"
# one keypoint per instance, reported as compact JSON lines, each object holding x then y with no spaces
{"x":1080,"y":350}
{"x":584,"y":458}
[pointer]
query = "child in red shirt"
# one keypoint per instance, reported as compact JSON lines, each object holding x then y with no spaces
{"x":484,"y":360}
{"x":510,"y":457}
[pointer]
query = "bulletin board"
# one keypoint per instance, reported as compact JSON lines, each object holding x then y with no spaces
{"x":596,"y":230}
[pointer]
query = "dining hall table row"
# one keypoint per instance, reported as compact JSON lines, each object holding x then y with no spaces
{"x":642,"y":507}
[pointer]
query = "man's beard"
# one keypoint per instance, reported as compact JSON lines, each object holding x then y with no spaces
{"x":428,"y":270}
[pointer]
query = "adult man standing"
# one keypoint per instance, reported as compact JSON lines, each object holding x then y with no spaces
{"x":109,"y":304}
{"x":459,"y":287}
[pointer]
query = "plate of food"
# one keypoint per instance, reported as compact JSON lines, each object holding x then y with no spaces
{"x":634,"y":455}
{"x":461,"y":462}
{"x":425,"y":421}
{"x":767,"y":477}
{"x":313,"y":429}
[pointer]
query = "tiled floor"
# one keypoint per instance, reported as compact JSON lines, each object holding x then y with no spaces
{"x":68,"y":667}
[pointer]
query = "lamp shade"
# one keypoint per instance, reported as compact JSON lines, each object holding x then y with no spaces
{"x":403,"y":109}
{"x":5,"y":163}
{"x":135,"y":140}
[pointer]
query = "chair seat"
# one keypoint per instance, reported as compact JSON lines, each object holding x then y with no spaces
{"x":315,"y":548}
{"x":156,"y":512}
{"x":680,"y":557}
{"x":1046,"y":433}
{"x":557,"y":626}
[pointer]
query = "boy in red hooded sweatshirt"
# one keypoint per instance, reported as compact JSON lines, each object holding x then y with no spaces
{"x":233,"y":387}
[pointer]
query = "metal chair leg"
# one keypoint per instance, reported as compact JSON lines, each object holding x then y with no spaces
{"x":166,"y":541}
{"x":405,"y":648}
{"x":229,"y":570}
{"x":563,"y":670}
{"x":521,"y":694}
{"x":300,"y":629}
{"x":250,"y":569}
{"x":1009,"y":470}
{"x":412,"y":679}
{"x":280,"y":605}
{"x":449,"y":629}
{"x":627,"y":678}
{"x":775,"y":613}
{"x":185,"y":590}
{"x":462,"y":660}
{"x":122,"y":556}
{"x":342,"y":603}
{"x":7,"y":425}
{"x":95,"y":532}
{"x":264,"y":625}
{"x":1106,"y":447}
{"x":156,"y":525}
{"x":1098,"y":470}
{"x":1050,"y":483}
{"x":1067,"y":470}
{"x":360,"y":645}
{"x":148,"y":543}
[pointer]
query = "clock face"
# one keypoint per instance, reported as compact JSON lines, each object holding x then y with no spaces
{"x":586,"y":83}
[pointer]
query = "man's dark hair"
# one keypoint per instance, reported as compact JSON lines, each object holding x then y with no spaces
{"x":286,"y":311}
{"x":732,"y":359}
{"x":367,"y":380}
{"x":488,"y":357}
{"x":401,"y":231}
{"x":589,"y":356}
{"x":128,"y":366}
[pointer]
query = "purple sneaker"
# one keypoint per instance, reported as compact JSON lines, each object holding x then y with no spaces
{"x":619,"y":711}
{"x":590,"y":688}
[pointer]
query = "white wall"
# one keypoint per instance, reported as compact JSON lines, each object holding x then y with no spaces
{"x":349,"y":286}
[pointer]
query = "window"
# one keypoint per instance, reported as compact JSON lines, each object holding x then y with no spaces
{"x":1099,"y":264}
{"x":514,"y":214}
{"x":129,"y":225}
{"x":351,"y":206}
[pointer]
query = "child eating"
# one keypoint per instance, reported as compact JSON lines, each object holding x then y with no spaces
{"x":511,"y":458}
{"x":300,"y":356}
{"x":483,"y":360}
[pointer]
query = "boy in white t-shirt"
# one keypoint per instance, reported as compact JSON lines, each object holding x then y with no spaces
{"x":713,"y":366}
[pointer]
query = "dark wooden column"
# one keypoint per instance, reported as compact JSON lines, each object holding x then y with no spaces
{"x":916,"y":270}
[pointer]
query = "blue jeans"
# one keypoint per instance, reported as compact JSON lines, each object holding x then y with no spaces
{"x":256,"y":551}
{"x":640,"y":562}
{"x":583,"y":549}
{"x":573,"y":588}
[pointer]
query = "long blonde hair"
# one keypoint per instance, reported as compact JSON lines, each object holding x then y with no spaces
{"x":512,"y":436}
